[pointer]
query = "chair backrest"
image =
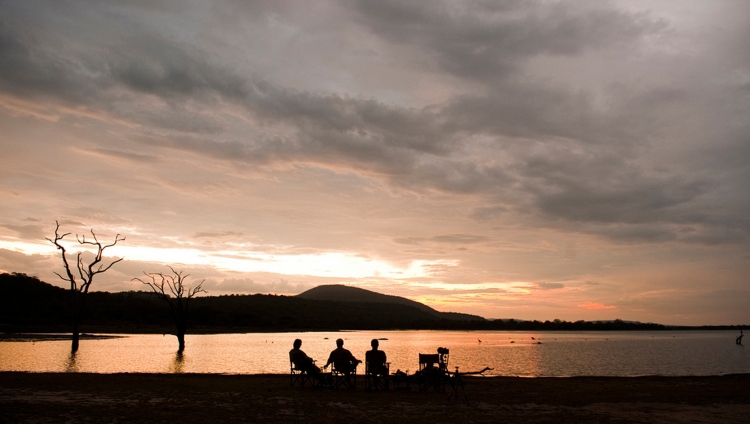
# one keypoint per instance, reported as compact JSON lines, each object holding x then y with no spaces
{"x":375,"y":362}
{"x":296,"y":367}
{"x":299,"y":376}
{"x":375,"y":357}
{"x":428,"y":360}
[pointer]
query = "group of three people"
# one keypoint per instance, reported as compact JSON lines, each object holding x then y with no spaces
{"x":342,"y":359}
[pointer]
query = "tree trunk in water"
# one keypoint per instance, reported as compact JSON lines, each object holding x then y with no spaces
{"x":77,"y":313}
{"x":181,"y":341}
{"x":76,"y":336}
{"x":181,"y":327}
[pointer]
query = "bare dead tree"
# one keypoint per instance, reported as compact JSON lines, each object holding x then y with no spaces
{"x":172,"y":290}
{"x":80,"y":283}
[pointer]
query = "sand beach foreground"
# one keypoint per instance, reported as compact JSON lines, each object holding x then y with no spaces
{"x":201,"y":398}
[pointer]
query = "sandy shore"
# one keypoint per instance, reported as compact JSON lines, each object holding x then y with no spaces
{"x":199,"y":398}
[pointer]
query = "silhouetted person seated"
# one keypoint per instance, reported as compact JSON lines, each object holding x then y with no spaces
{"x":376,"y":359}
{"x":303,"y":362}
{"x":342,"y":359}
{"x":376,"y":362}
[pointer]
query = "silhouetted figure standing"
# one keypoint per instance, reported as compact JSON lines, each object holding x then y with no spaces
{"x":739,"y":338}
{"x":342,"y":359}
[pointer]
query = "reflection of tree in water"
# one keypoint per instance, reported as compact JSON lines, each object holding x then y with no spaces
{"x":70,"y":364}
{"x":178,"y":364}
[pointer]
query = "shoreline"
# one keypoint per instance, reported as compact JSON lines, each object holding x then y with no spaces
{"x":101,"y":332}
{"x":9,"y":330}
{"x":130,"y":397}
{"x":39,"y":337}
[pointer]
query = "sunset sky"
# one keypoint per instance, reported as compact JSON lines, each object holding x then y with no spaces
{"x":511,"y":159}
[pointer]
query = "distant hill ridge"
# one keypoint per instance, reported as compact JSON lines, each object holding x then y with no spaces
{"x":341,"y":293}
{"x":31,"y":305}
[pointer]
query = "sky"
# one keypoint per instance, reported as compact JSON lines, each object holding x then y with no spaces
{"x":584,"y":160}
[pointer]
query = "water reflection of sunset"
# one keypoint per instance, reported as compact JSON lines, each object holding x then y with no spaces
{"x":509,"y":353}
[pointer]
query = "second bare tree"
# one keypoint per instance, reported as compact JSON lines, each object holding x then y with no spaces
{"x":172,"y":290}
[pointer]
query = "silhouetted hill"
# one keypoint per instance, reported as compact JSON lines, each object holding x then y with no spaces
{"x":16,"y":284}
{"x":28,"y":301}
{"x":37,"y":306}
{"x":341,"y":293}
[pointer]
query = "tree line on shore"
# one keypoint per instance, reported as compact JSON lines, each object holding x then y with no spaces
{"x":31,"y":305}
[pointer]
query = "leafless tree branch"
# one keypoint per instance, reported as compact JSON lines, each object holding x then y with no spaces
{"x":56,"y":242}
{"x":173,"y":291}
{"x":80,"y":286}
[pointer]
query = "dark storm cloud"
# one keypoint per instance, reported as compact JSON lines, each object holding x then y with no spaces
{"x":536,"y":111}
{"x":632,"y":204}
{"x":355,"y":127}
{"x":615,"y":195}
{"x":358,"y":128}
{"x":327,"y":125}
{"x":547,"y":149}
{"x":485,"y":40}
{"x":149,"y":63}
{"x":167,"y":71}
{"x":24,"y":74}
{"x":113,"y":77}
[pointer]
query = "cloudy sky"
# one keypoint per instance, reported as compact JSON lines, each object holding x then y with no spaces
{"x":511,"y":159}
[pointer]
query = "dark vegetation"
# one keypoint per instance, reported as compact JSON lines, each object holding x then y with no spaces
{"x":31,"y":305}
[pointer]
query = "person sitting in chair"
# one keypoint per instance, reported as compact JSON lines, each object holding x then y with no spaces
{"x":376,"y":359}
{"x":376,"y":363}
{"x":342,"y":359}
{"x":300,"y":359}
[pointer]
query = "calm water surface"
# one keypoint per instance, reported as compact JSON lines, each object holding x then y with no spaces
{"x":527,"y":354}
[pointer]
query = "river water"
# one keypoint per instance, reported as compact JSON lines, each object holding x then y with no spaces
{"x":509,"y":353}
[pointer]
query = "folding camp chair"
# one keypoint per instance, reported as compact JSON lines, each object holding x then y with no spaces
{"x":376,"y":376}
{"x":433,"y":370}
{"x":299,"y":376}
{"x":341,"y":377}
